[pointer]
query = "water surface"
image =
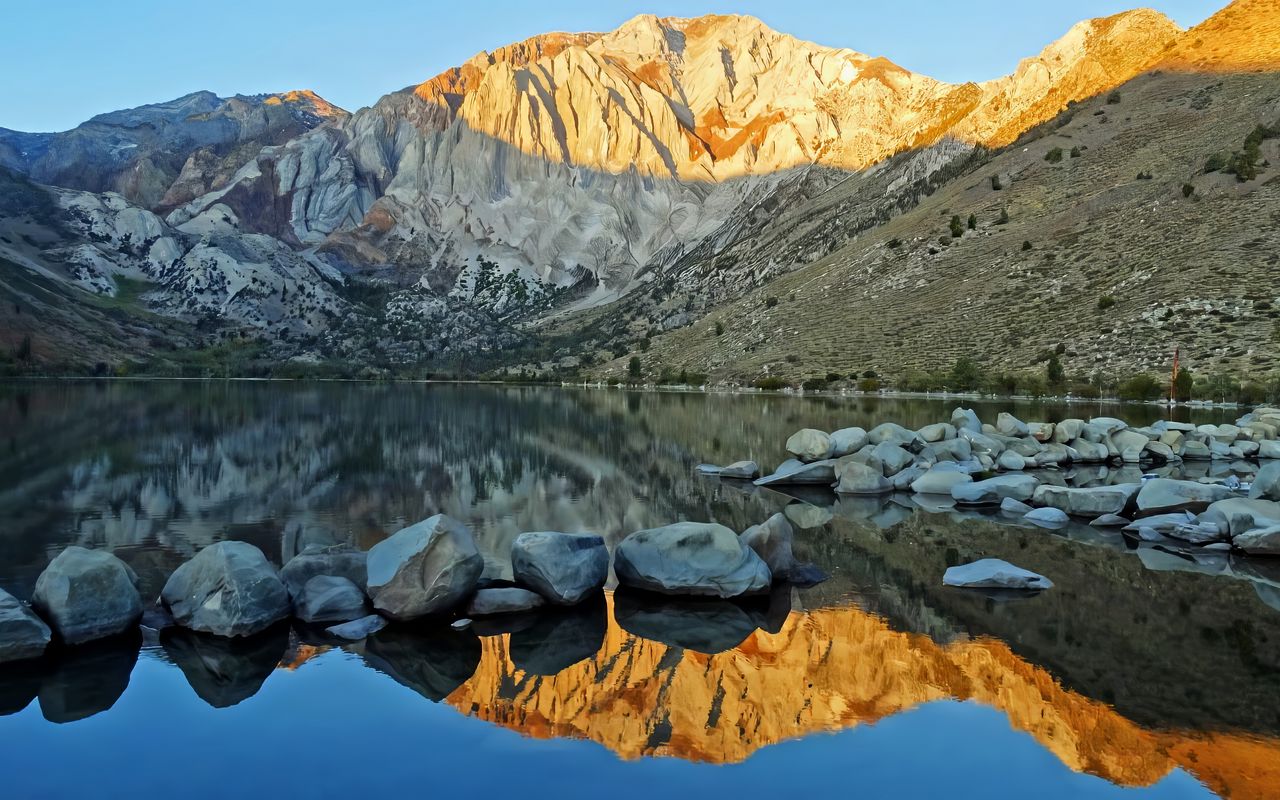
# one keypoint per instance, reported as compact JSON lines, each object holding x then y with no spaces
{"x":1146,"y":672}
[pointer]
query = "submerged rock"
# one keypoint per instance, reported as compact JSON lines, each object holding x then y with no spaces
{"x":995,"y":490}
{"x":1089,"y":501}
{"x":940,"y":481}
{"x":1047,"y":517}
{"x":229,"y":589}
{"x":87,"y":595}
{"x":506,"y":600}
{"x":793,"y":471}
{"x":560,"y":638}
{"x":426,"y":568}
{"x":565,"y":568}
{"x":690,"y":558}
{"x":992,"y":573}
{"x":357,"y":629}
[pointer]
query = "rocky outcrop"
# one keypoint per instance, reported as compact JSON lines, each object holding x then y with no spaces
{"x":424,"y":569}
{"x":88,"y":594}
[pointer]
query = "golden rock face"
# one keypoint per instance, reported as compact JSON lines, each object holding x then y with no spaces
{"x":827,"y":670}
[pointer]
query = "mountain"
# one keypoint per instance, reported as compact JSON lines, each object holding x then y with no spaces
{"x":573,"y":197}
{"x":165,"y":154}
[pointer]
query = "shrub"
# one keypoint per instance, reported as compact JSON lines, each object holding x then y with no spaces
{"x":814,"y":384}
{"x":1053,"y":371}
{"x":1075,"y":152}
{"x":633,"y":367}
{"x":770,"y":301}
{"x":1105,"y":302}
{"x":965,"y":374}
{"x":995,"y":183}
{"x":973,"y":222}
{"x":771,"y":384}
{"x":1026,"y":245}
{"x":957,"y":229}
{"x":1144,"y":175}
{"x":1215,"y":162}
{"x":1004,"y":217}
{"x":1113,"y":99}
{"x":894,"y":244}
{"x":832,"y":377}
{"x":1141,"y":387}
{"x":1188,"y":190}
{"x":719,"y":328}
{"x":869,"y":385}
{"x":1054,"y":156}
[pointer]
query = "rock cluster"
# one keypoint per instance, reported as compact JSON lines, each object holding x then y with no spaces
{"x":1017,"y":466}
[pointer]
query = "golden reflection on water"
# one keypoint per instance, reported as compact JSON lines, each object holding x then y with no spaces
{"x":827,"y":670}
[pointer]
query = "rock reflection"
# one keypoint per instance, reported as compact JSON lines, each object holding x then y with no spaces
{"x":560,"y":638}
{"x":19,"y":685}
{"x":88,"y":679}
{"x":704,"y":625}
{"x":431,"y":660}
{"x":225,"y":671}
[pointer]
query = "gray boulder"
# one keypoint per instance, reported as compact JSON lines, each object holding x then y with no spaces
{"x":358,"y":629}
{"x":853,"y":477}
{"x":771,"y":540}
{"x":992,"y":573}
{"x":1164,"y":495}
{"x":23,"y":635}
{"x":994,"y":490}
{"x":741,"y":470}
{"x":1012,"y":506}
{"x":1269,"y":448}
{"x":1091,"y":501}
{"x":427,"y":568}
{"x":964,"y":419}
{"x":1047,"y":517}
{"x":330,"y":598}
{"x":982,"y":444}
{"x":1111,"y":521}
{"x":1266,"y":484}
{"x":1041,"y":431}
{"x":1012,"y":462}
{"x":797,"y":472}
{"x":504,"y":600}
{"x":892,"y":457}
{"x":87,"y":595}
{"x":1009,"y":425}
{"x":1068,"y":430}
{"x":940,"y":481}
{"x":229,"y":589}
{"x":847,"y":441}
{"x":691,"y":558}
{"x":565,"y":568}
{"x":892,"y":433}
{"x":1237,"y":515}
{"x":937,"y":432}
{"x":809,"y":445}
{"x":1259,"y":541}
{"x":341,"y":560}
{"x":903,"y":480}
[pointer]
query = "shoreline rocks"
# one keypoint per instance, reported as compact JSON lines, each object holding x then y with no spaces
{"x":427,"y":568}
{"x":690,"y":558}
{"x":87,"y":595}
{"x":228,"y":589}
{"x":23,"y":635}
{"x":564,"y":568}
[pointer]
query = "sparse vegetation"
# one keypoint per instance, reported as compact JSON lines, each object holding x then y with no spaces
{"x":995,"y":183}
{"x":1105,"y":302}
{"x":1054,"y":156}
{"x":957,"y":228}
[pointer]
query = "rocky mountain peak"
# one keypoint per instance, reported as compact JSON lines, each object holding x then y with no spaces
{"x":1244,"y":36}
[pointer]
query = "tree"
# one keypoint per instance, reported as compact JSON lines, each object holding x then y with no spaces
{"x":965,"y":374}
{"x":973,"y":222}
{"x":633,"y":367}
{"x":1053,"y":371}
{"x":1183,"y":386}
{"x":957,"y":229}
{"x":1140,"y":387}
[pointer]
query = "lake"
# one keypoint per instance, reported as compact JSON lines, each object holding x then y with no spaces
{"x":1145,"y":672}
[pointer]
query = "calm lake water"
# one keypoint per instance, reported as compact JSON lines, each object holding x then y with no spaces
{"x":1145,"y":673}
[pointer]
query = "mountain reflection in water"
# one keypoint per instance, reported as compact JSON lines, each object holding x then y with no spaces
{"x":1141,"y":665}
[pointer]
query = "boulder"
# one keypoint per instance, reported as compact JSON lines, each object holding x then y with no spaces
{"x":87,"y":595}
{"x":890,"y":432}
{"x":994,"y":490}
{"x":1011,"y":461}
{"x":892,"y":457}
{"x":1161,"y":452}
{"x":948,"y":450}
{"x":1047,"y":517}
{"x":1108,"y":425}
{"x":1164,"y":495}
{"x":1091,"y":452}
{"x":1195,"y":451}
{"x":1067,"y":431}
{"x":806,"y":516}
{"x":940,"y":481}
{"x":427,"y":568}
{"x":937,"y":432}
{"x":1266,"y":484}
{"x":964,"y":419}
{"x":797,"y":472}
{"x":1129,"y":440}
{"x":358,"y":629}
{"x":1011,"y":506}
{"x":1009,"y":425}
{"x":23,"y":635}
{"x":1269,"y":448}
{"x":1041,"y":431}
{"x":809,"y":445}
{"x":692,"y":558}
{"x":1259,"y":541}
{"x":856,"y":478}
{"x":1236,"y":515}
{"x":992,"y":573}
{"x":1090,"y":501}
{"x":771,"y":540}
{"x":229,"y":589}
{"x":340,"y":560}
{"x":741,"y":470}
{"x":1110,"y":521}
{"x":507,"y":600}
{"x":330,"y":598}
{"x":981,"y":444}
{"x":903,"y":480}
{"x":847,"y":441}
{"x":565,"y":568}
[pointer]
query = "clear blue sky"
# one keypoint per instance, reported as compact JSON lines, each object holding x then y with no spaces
{"x":63,"y":61}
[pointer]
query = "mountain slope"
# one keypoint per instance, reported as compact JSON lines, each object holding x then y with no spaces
{"x":195,"y":140}
{"x":1244,"y":36}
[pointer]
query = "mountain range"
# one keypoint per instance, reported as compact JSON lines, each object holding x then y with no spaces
{"x":707,"y":194}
